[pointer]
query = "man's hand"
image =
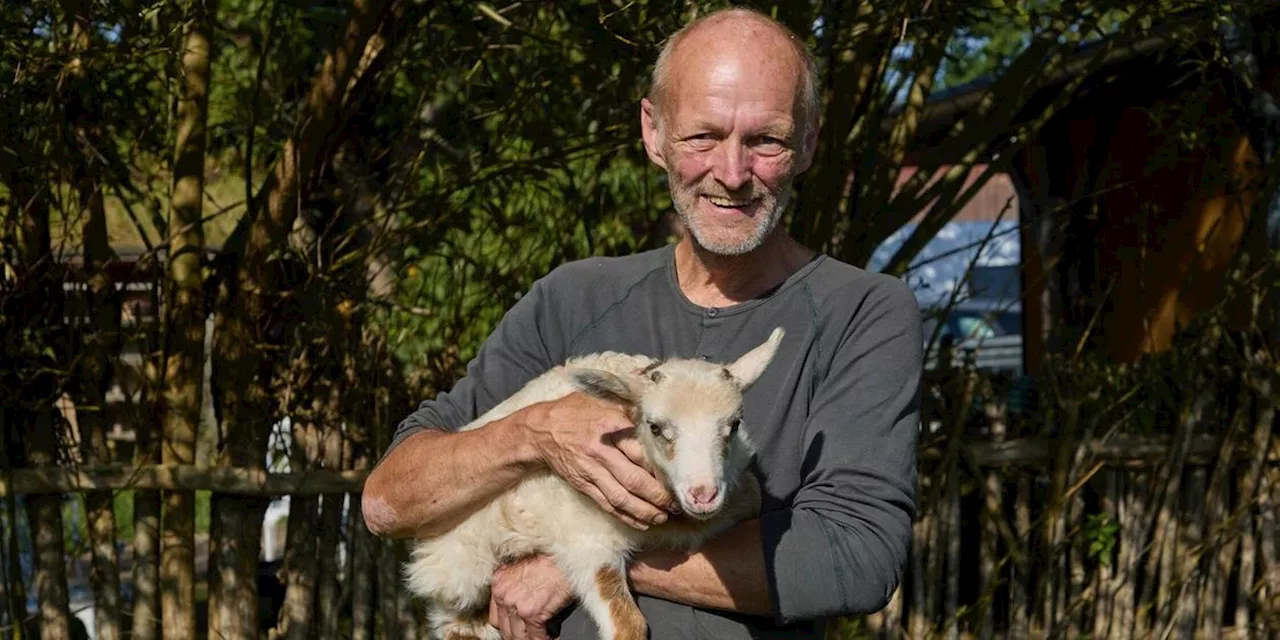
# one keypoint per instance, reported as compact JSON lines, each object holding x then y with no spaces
{"x":525,"y":595}
{"x":591,"y":444}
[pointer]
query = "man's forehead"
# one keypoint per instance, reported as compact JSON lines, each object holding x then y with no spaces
{"x":728,"y":52}
{"x":740,"y":36}
{"x":700,"y":81}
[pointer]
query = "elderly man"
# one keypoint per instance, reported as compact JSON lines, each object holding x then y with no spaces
{"x":732,"y":118}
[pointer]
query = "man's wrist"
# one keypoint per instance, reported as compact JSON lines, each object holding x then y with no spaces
{"x":644,"y":572}
{"x":518,"y":431}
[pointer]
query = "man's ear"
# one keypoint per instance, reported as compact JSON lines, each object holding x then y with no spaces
{"x":649,"y":132}
{"x":604,"y":385}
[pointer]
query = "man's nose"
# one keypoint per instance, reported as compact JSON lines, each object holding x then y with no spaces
{"x":733,"y":166}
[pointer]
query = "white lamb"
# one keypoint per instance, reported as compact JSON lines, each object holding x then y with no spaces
{"x":688,"y":415}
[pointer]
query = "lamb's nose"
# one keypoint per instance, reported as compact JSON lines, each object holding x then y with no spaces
{"x":703,"y":494}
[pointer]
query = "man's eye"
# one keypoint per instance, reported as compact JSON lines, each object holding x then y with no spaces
{"x":768,"y":145}
{"x":700,"y":141}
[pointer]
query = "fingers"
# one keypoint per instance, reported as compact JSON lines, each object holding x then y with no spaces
{"x":631,"y":499}
{"x":637,"y":482}
{"x":629,"y":503}
{"x":591,"y":491}
{"x":520,"y":600}
{"x":596,"y":451}
{"x":630,"y":446}
{"x":498,"y":618}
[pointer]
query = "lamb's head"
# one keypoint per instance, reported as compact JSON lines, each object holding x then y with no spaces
{"x":688,"y":416}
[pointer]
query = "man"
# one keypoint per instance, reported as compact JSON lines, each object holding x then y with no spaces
{"x":732,"y":118}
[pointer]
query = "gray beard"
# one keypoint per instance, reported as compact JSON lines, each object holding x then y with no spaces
{"x":753,"y":242}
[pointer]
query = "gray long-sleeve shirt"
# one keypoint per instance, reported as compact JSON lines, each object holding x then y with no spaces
{"x":834,"y":417}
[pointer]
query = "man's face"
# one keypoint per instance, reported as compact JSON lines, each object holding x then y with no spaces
{"x":729,"y":140}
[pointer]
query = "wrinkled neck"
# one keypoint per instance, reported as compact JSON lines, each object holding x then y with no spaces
{"x":711,"y":280}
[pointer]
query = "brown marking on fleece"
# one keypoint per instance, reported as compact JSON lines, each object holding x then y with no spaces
{"x":628,"y":622}
{"x":666,"y":447}
{"x":470,"y":627}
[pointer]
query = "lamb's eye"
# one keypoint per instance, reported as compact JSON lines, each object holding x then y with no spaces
{"x":734,"y":424}
{"x":655,"y":429}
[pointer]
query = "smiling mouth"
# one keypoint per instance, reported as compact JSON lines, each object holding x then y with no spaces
{"x":730,"y":203}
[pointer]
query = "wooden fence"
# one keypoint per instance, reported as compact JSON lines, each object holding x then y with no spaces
{"x":1148,"y":537}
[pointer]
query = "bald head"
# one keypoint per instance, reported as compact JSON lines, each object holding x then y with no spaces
{"x":744,"y":38}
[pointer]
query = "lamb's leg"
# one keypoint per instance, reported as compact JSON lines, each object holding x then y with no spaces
{"x":448,"y":625}
{"x":601,"y":586}
{"x":452,"y":576}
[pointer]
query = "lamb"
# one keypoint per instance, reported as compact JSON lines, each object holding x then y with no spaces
{"x":689,"y":419}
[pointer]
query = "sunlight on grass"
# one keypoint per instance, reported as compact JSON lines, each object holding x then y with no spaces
{"x":132,"y":224}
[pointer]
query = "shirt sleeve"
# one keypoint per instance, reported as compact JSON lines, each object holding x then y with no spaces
{"x":842,"y":547}
{"x":515,"y":353}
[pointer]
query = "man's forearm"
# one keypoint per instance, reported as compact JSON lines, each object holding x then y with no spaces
{"x":727,"y":573}
{"x":432,"y":480}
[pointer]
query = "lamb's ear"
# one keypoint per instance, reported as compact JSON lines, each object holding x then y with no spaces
{"x":603,"y":385}
{"x":746,"y":369}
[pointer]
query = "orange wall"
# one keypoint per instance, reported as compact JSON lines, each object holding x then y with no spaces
{"x":1170,"y":216}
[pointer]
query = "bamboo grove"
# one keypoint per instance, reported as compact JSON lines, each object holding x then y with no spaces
{"x":259,"y":231}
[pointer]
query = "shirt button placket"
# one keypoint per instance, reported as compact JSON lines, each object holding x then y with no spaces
{"x":702,"y":348}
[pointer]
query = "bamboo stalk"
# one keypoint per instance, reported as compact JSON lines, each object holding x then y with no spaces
{"x":1212,"y":587}
{"x":1167,"y":483}
{"x":94,"y":369}
{"x":388,"y":591}
{"x":1221,"y":528}
{"x":992,"y":512}
{"x":1131,"y":515}
{"x":1074,"y":552}
{"x":361,"y":576}
{"x":1021,"y":601}
{"x":184,"y":320}
{"x":988,"y":569}
{"x":1269,"y":591}
{"x":1246,"y":578}
{"x":1053,"y":573}
{"x":146,"y":565}
{"x":327,"y":605}
{"x":36,"y":425}
{"x":45,"y":515}
{"x":1251,"y":480}
{"x":15,"y":591}
{"x":1103,"y":581}
{"x":1191,"y":551}
{"x":1167,"y":567}
{"x":953,"y":536}
{"x":920,"y":544}
{"x":1264,"y":388}
{"x":299,"y":571}
{"x":235,"y":536}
